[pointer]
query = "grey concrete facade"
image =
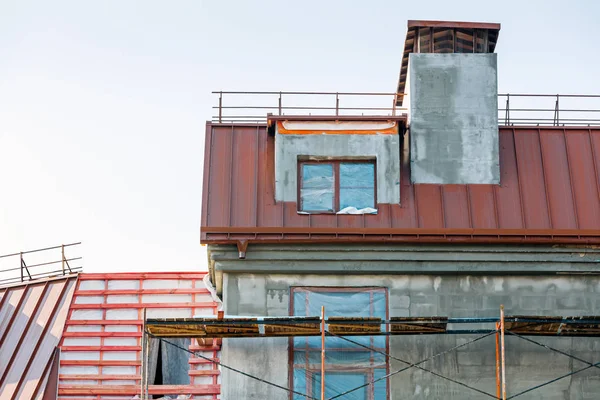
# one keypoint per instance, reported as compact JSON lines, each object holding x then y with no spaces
{"x":385,"y":149}
{"x":454,"y":118}
{"x":454,"y":281}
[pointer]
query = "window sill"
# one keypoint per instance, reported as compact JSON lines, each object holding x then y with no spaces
{"x":345,"y":211}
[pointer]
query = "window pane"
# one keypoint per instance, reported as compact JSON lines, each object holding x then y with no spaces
{"x":317,"y":187}
{"x":357,"y":175}
{"x":347,"y":365}
{"x":339,"y":382}
{"x":359,"y":198}
{"x":317,"y":199}
{"x":357,"y":185}
{"x":317,"y":176}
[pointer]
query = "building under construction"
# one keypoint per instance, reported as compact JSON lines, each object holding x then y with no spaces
{"x":439,"y":241}
{"x":444,"y":201}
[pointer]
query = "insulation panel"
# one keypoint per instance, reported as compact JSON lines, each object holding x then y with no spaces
{"x":101,"y":345}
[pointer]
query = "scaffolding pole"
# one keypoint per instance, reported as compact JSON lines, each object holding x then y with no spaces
{"x":498,"y":384}
{"x":322,"y":352}
{"x":502,"y":352}
{"x":144,"y":364}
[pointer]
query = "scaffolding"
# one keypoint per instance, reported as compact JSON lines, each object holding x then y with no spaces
{"x":344,"y":328}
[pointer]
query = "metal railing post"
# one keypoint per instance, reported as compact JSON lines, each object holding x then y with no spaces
{"x":62,"y":249}
{"x":220,"y":107}
{"x":21,"y":265}
{"x":337,"y":104}
{"x":507,"y":116}
{"x":279,"y":103}
{"x":556,"y":111}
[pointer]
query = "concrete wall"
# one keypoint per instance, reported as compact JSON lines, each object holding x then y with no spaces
{"x":479,"y":292}
{"x":384,"y":148}
{"x":454,"y":118}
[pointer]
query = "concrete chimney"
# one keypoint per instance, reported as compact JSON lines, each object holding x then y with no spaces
{"x":449,"y":81}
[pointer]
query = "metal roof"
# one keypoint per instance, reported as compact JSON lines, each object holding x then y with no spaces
{"x":549,"y":193}
{"x":32,"y":319}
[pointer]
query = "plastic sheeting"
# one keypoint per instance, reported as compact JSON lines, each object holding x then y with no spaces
{"x":347,"y":365}
{"x":123,"y":285}
{"x":167,"y":284}
{"x":356,"y":187}
{"x":173,"y":365}
{"x":354,"y":210}
{"x":317,"y":187}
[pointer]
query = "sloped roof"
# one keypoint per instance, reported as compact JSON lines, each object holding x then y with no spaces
{"x":32,"y":317}
{"x":549,"y":193}
{"x":101,"y":345}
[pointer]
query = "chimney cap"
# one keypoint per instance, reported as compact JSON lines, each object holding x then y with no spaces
{"x":452,"y":24}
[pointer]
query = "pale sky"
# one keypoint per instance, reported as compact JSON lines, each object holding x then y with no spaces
{"x":103,"y":103}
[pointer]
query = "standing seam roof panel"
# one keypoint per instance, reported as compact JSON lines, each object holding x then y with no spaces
{"x":32,"y":320}
{"x":549,"y":182}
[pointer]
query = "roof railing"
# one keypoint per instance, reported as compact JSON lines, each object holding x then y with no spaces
{"x":515,"y":109}
{"x":549,"y":109}
{"x":253,"y":107}
{"x":30,"y":265}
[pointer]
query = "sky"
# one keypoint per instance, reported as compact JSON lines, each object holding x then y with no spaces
{"x":103,"y":104}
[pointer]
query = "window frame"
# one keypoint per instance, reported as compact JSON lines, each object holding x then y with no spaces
{"x":336,"y":181}
{"x":366,"y":370}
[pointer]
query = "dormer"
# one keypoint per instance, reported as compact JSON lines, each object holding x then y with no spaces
{"x":337,"y":164}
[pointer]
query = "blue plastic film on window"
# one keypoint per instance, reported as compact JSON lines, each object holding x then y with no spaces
{"x":317,"y":187}
{"x":299,"y":383}
{"x":357,"y":175}
{"x":339,"y":382}
{"x":317,"y":176}
{"x":338,"y":357}
{"x":317,"y":199}
{"x":357,"y":185}
{"x":347,"y":365}
{"x":357,"y":197}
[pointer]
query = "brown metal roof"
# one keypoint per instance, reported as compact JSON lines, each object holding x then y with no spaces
{"x":549,"y":193}
{"x":33,"y":317}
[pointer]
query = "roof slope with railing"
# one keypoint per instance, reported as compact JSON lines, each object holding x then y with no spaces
{"x":549,"y":193}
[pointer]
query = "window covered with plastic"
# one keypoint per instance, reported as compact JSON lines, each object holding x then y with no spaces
{"x":346,"y":187}
{"x":347,"y":365}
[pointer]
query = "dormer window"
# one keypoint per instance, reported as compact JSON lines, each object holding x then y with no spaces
{"x":345,"y":186}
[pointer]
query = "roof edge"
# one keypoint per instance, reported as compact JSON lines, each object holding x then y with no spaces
{"x":453,"y":24}
{"x":399,"y":117}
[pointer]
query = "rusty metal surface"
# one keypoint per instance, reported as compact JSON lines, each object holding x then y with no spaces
{"x":549,"y":193}
{"x":32,"y":319}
